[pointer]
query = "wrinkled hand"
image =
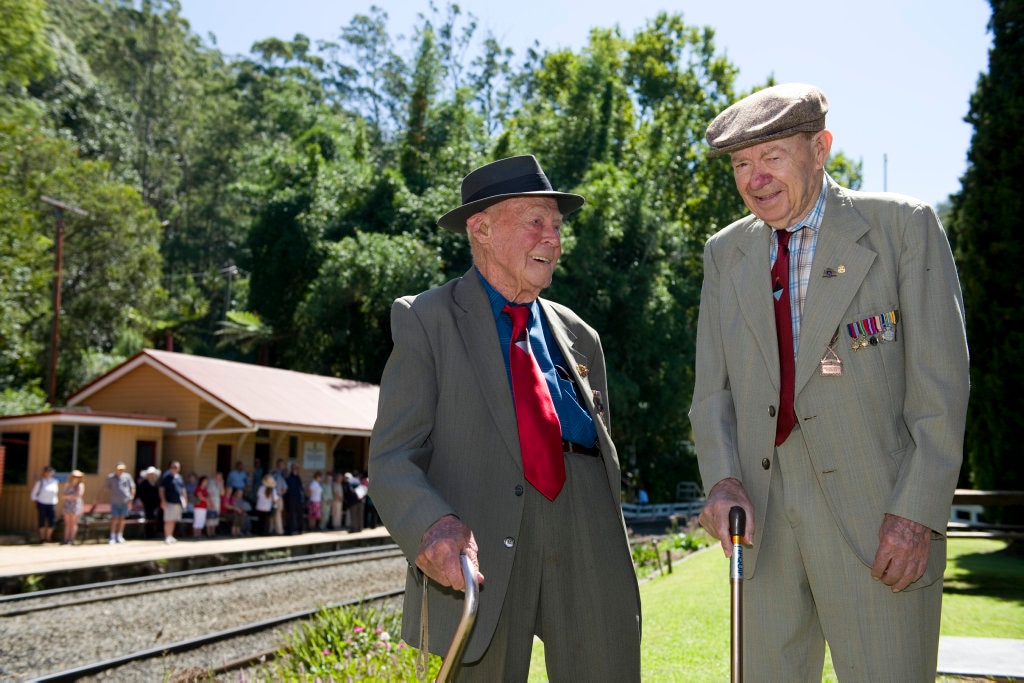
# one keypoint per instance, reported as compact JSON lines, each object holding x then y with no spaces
{"x":902,"y":556}
{"x":439,"y":552}
{"x":715,"y":515}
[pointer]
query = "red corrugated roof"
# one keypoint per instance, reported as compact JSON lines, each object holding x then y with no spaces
{"x":265,"y":397}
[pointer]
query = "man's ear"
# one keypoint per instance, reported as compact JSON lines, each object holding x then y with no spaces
{"x":478,"y":227}
{"x":823,"y":145}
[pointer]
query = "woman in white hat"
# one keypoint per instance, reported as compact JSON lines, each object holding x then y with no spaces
{"x":267,"y":499}
{"x":148,"y":493}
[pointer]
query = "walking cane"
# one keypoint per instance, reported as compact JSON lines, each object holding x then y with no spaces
{"x":461,"y":637}
{"x":737,"y":528}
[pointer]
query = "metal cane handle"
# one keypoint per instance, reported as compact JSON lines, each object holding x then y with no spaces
{"x":465,"y":626}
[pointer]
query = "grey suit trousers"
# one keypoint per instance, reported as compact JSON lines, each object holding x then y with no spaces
{"x":811,"y":587}
{"x":588,"y":636}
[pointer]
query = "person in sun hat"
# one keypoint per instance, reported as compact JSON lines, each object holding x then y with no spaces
{"x":72,"y":506}
{"x":267,"y":500}
{"x":499,"y":448}
{"x":829,"y":401}
{"x":148,"y":494}
{"x":119,"y":490}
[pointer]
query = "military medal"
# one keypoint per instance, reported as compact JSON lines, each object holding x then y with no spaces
{"x":858,"y":335}
{"x":831,"y":365}
{"x":889,"y":325}
{"x":874,"y":330}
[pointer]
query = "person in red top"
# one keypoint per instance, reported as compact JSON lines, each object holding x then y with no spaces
{"x":199,"y":505}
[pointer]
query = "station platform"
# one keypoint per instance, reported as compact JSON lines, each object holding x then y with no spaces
{"x":34,"y":560}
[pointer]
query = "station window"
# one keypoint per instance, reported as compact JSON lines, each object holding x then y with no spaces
{"x":16,"y":457}
{"x":76,"y":447}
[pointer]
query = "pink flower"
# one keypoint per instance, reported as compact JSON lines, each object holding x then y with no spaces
{"x":326,"y":651}
{"x":358,"y":629}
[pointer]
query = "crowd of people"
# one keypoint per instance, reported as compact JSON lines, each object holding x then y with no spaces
{"x":242,"y":503}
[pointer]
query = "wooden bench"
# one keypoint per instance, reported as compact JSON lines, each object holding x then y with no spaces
{"x":965,"y":516}
{"x":97,"y":517}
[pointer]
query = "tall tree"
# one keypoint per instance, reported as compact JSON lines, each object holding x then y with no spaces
{"x":985,"y":217}
{"x":110,"y":284}
{"x":25,"y":54}
{"x":345,"y":320}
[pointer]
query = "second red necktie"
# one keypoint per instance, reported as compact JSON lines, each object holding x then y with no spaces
{"x":784,"y":331}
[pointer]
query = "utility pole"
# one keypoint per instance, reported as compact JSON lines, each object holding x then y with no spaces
{"x":885,"y":173}
{"x":58,"y":208}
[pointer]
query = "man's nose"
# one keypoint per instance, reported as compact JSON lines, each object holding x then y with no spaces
{"x":759,"y":179}
{"x":552,"y":235}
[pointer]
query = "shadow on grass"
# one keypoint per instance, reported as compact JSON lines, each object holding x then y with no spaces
{"x":997,"y":575}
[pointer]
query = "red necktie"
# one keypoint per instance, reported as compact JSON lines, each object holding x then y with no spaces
{"x":784,"y":331}
{"x":540,"y":434}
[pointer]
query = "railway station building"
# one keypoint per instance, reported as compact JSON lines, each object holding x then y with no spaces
{"x":207,"y":413}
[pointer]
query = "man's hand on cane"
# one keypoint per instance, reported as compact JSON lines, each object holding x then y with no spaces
{"x":440,"y":547}
{"x":715,"y":515}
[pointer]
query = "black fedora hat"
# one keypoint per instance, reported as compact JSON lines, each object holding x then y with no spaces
{"x":503,"y":179}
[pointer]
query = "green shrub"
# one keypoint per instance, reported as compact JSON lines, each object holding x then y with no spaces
{"x":358,"y":643}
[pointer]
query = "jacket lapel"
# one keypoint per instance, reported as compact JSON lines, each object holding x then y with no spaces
{"x":574,"y":358}
{"x":752,"y":283}
{"x":475,"y":321}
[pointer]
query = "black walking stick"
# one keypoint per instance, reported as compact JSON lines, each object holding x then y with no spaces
{"x":461,"y":637}
{"x":737,"y":528}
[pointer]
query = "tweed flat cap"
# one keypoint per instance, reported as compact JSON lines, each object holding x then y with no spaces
{"x":769,"y":114}
{"x":504,"y":179}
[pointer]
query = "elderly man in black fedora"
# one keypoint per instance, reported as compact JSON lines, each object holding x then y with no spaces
{"x":492,"y":439}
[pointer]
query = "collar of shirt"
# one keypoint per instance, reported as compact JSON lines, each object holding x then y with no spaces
{"x":536,"y":331}
{"x":802,"y":244}
{"x":577,"y":424}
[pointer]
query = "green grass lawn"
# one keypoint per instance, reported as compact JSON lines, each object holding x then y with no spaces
{"x":686,"y":613}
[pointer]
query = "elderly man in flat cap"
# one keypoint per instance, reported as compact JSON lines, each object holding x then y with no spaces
{"x":492,"y":440}
{"x":829,"y":403}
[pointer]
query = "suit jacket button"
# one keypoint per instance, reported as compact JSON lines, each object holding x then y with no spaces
{"x":766,"y":463}
{"x":771,"y":411}
{"x":519,"y":489}
{"x":509,"y":541}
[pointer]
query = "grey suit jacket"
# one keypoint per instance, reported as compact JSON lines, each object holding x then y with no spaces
{"x":445,"y":442}
{"x":887,"y":435}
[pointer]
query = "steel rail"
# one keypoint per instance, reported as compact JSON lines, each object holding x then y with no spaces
{"x":200,"y":641}
{"x":64,"y":590}
{"x":379,"y":554}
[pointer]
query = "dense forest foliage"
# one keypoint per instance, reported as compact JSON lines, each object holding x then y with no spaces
{"x":268,"y":209}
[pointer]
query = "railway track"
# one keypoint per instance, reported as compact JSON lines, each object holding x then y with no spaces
{"x":148,"y":628}
{"x":72,"y":596}
{"x":112,"y":665}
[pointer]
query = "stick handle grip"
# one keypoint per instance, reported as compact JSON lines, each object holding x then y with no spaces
{"x":737,"y":528}
{"x":737,"y":521}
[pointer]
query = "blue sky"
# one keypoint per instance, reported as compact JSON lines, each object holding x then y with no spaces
{"x":898,"y":73}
